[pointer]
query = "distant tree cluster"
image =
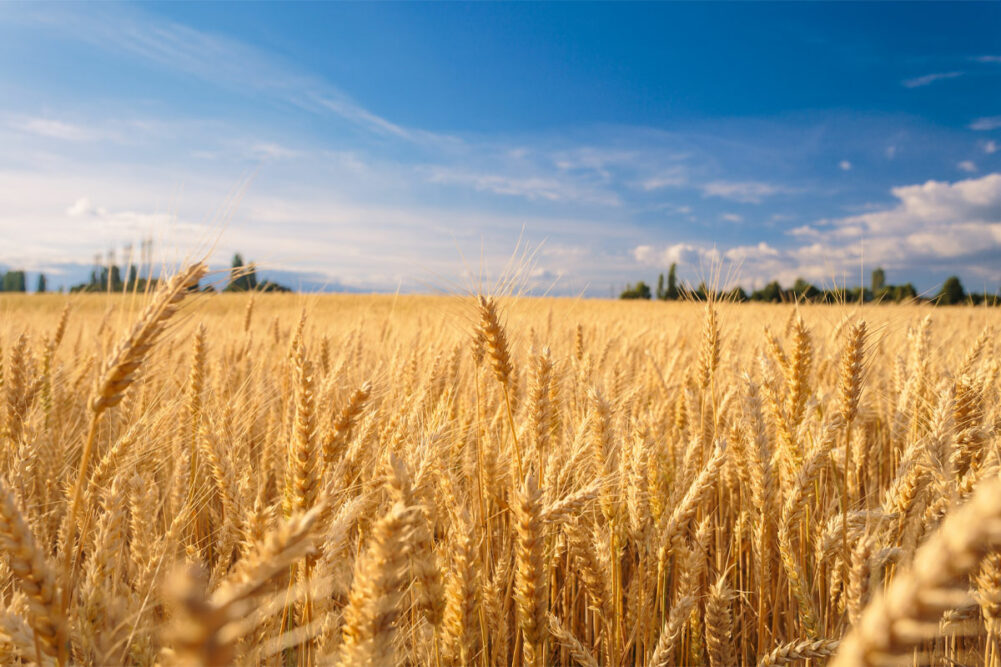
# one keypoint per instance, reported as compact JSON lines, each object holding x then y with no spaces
{"x":109,"y":279}
{"x":14,"y":281}
{"x":243,"y":278}
{"x":638,"y":291}
{"x":17,"y":281}
{"x":669,"y":293}
{"x":951,"y":293}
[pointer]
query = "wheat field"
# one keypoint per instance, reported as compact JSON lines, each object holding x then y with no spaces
{"x":202,"y":479}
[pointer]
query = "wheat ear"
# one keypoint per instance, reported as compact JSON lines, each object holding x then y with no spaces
{"x":689,"y":504}
{"x":670,"y":635}
{"x":719,"y":625}
{"x":34,"y":576}
{"x":374,"y":602}
{"x":205,"y":629}
{"x":495,"y":340}
{"x":304,"y":482}
{"x":910,"y":609}
{"x":336,"y":439}
{"x":850,"y":384}
{"x":566,"y":638}
{"x":795,"y":651}
{"x":531,"y":590}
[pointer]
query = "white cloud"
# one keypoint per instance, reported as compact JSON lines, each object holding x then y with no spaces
{"x":675,"y":176}
{"x":685,"y":254}
{"x":988,"y":59}
{"x":531,"y":187}
{"x":698,"y":259}
{"x":927,"y":79}
{"x":986,"y":123}
{"x":126,"y":224}
{"x":374,"y":245}
{"x":758,"y":252}
{"x":933,"y":226}
{"x":935,"y":223}
{"x":845,"y":165}
{"x":968,"y":166}
{"x":272,"y":151}
{"x":732,"y":217}
{"x":990,"y":147}
{"x":53,"y":129}
{"x":644,"y":254}
{"x":82,"y":207}
{"x":748,"y":192}
{"x":591,"y":158}
{"x":890,"y":152}
{"x":803,"y":230}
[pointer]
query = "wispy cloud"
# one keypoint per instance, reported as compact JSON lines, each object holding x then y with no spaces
{"x":988,"y":59}
{"x":672,"y":178}
{"x":215,"y":58}
{"x":986,"y":123}
{"x":53,"y":129}
{"x":533,"y":188}
{"x":927,"y":79}
{"x":968,"y":166}
{"x":748,"y":192}
{"x":270,"y":150}
{"x":845,"y":165}
{"x":367,"y":244}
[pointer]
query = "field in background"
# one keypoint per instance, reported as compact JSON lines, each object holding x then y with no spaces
{"x":293,"y":479}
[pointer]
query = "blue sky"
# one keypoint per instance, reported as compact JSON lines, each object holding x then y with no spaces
{"x":376,"y":146}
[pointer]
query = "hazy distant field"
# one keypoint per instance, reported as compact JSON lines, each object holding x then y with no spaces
{"x":296,"y":479}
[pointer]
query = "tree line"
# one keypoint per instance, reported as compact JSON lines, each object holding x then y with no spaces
{"x":16,"y":281}
{"x":951,"y":292}
{"x":242,"y":278}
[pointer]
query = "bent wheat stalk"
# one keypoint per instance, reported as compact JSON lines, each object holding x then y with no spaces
{"x":119,"y":372}
{"x":34,"y":577}
{"x":908,"y":613}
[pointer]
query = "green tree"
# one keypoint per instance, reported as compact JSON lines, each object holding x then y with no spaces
{"x":251,"y":281}
{"x":13,"y":281}
{"x":878,"y":282}
{"x":672,"y":283}
{"x":237,"y":275}
{"x":638,"y":291}
{"x":772,"y":292}
{"x":242,"y":277}
{"x":736,"y":295}
{"x":703,"y":293}
{"x":41,"y":286}
{"x":904,"y":292}
{"x":110,"y":280}
{"x":951,"y":292}
{"x":661,"y":294}
{"x":805,"y":290}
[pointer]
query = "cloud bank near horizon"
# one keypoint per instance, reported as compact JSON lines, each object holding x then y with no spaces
{"x":371,"y":203}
